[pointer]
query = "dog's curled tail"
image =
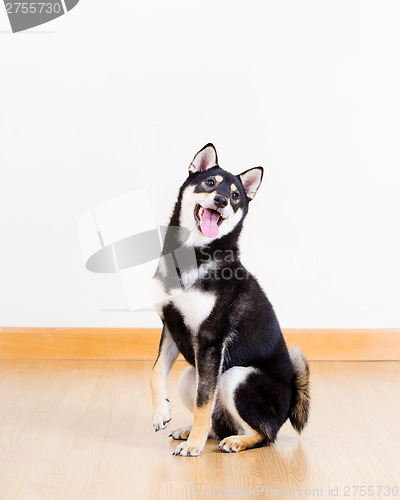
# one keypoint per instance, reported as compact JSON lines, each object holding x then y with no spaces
{"x":301,"y":389}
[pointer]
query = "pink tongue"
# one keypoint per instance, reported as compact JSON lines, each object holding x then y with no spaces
{"x":209,"y":223}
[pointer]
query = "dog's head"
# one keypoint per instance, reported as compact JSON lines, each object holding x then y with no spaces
{"x":214,"y":201}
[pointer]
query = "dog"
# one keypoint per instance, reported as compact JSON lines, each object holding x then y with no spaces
{"x":242,"y":382}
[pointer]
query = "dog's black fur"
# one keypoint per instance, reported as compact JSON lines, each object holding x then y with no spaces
{"x":241,"y":329}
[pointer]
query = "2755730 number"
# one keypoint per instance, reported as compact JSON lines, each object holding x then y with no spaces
{"x":370,"y":491}
{"x":33,"y":8}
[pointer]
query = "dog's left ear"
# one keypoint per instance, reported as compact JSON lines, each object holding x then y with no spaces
{"x":206,"y":158}
{"x":251,"y":180}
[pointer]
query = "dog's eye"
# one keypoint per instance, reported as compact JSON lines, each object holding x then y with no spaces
{"x":235,"y":195}
{"x":210,"y":183}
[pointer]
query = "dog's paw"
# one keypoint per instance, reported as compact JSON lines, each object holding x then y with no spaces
{"x":187,"y":449}
{"x":232,"y":444}
{"x":161,"y":416}
{"x":181,"y":432}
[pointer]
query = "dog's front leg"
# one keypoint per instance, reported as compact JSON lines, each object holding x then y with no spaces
{"x":167,"y":354}
{"x":208,"y":365}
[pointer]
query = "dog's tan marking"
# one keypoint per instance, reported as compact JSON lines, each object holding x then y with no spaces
{"x":201,"y":422}
{"x":219,"y":178}
{"x":160,"y":402}
{"x":208,"y":195}
{"x":239,"y":443}
{"x":199,"y":433}
{"x":157,"y":386}
{"x":233,"y":188}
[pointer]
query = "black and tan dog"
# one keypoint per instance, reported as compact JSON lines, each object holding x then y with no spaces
{"x":243,"y":383}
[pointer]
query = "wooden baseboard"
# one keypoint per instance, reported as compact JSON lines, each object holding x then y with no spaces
{"x":142,"y":343}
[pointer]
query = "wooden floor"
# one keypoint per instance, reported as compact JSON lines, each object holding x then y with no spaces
{"x":82,"y":430}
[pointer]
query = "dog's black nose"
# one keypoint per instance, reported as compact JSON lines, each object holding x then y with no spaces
{"x":220,"y":201}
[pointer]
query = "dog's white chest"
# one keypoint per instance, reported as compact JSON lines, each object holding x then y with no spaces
{"x":194,"y":305}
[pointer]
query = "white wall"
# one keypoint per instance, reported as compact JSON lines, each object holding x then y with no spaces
{"x":119,"y":95}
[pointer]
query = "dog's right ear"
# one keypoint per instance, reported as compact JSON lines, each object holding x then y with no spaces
{"x":206,"y":158}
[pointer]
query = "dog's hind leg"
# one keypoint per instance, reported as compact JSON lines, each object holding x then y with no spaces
{"x":256,"y":403}
{"x":246,"y":436}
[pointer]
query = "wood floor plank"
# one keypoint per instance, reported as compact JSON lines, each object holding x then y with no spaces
{"x":82,"y":430}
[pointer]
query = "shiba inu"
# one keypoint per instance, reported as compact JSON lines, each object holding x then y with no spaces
{"x":242,"y":383}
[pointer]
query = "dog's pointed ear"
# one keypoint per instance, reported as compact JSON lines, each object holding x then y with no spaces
{"x":251,"y":180}
{"x":204,"y":159}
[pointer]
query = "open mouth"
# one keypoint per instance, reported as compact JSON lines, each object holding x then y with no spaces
{"x":209,"y":220}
